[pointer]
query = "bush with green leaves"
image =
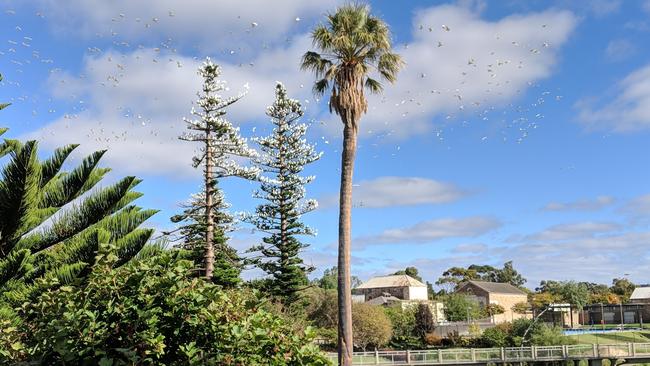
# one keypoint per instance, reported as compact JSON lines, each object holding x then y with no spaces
{"x":151,"y":311}
{"x":370,"y":325}
{"x":403,"y":321}
{"x":459,"y":307}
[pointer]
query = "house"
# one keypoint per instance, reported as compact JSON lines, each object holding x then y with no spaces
{"x":403,"y":287}
{"x":398,"y":290}
{"x":503,"y":294}
{"x":640,"y":295}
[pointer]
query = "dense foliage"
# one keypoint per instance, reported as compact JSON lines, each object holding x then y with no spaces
{"x":455,"y":276}
{"x":43,"y":234}
{"x":371,"y":326}
{"x":523,"y":332}
{"x":151,"y":312}
{"x":460,"y":308}
{"x":283,"y":156}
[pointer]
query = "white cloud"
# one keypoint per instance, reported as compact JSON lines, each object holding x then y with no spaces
{"x":135,"y":105}
{"x":471,"y":248}
{"x":627,"y":112}
{"x":210,"y":24}
{"x":593,"y":259}
{"x":571,"y":231}
{"x":399,"y":191}
{"x":581,"y":205}
{"x":620,"y":49}
{"x":479,"y":61}
{"x":431,"y":230}
{"x":638,"y":207}
{"x":604,"y":7}
{"x":509,"y":54}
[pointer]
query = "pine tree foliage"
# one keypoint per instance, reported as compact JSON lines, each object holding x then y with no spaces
{"x":52,"y":221}
{"x":221,"y":146}
{"x":191,"y":237}
{"x":284,"y":155}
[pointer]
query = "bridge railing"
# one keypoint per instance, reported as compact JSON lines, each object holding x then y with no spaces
{"x":508,"y":354}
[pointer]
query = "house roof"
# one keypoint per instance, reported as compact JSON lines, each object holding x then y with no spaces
{"x":383,"y":300}
{"x":640,"y":293}
{"x":391,"y":281}
{"x":495,"y":287}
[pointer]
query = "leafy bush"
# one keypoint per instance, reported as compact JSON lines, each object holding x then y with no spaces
{"x":151,"y":312}
{"x":495,"y":337}
{"x":370,"y":325}
{"x":459,"y":307}
{"x":403,"y":321}
{"x":423,"y":320}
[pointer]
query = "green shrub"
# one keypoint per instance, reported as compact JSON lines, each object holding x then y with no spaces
{"x":151,"y":312}
{"x":403,"y":321}
{"x":370,"y":325}
{"x":495,"y":337}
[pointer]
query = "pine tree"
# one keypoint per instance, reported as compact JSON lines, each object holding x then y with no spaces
{"x":191,"y":236}
{"x":221,"y":144}
{"x":284,"y":154}
{"x":43,"y":234}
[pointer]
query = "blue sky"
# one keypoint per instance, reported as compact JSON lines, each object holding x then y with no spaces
{"x":520,"y":133}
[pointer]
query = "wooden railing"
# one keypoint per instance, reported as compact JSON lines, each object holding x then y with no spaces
{"x":501,"y":355}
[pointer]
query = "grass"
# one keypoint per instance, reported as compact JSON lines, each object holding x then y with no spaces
{"x":613,"y":338}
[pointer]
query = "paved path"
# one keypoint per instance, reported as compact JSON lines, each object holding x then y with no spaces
{"x":631,"y":352}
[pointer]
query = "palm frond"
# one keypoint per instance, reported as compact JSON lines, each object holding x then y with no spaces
{"x":374,"y":86}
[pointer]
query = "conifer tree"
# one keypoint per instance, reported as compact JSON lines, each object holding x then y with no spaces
{"x":283,"y":156}
{"x":221,"y":144}
{"x":191,"y":236}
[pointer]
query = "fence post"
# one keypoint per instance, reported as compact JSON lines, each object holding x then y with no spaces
{"x":630,"y":350}
{"x":408,"y":356}
{"x":595,"y":346}
{"x":473,"y":355}
{"x":633,"y":349}
{"x":376,"y":357}
{"x":503,"y":354}
{"x":439,"y":356}
{"x":534,"y":352}
{"x":565,"y":352}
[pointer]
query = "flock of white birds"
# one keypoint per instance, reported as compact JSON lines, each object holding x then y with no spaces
{"x":514,"y":122}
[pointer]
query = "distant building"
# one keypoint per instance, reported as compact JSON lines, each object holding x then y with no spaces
{"x":640,"y":295}
{"x":403,"y":287}
{"x":398,"y":290}
{"x":503,"y":294}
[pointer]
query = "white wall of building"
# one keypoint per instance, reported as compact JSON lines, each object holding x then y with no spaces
{"x":418,"y":293}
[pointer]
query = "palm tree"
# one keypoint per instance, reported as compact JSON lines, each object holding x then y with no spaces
{"x":351,"y":45}
{"x":52,"y":222}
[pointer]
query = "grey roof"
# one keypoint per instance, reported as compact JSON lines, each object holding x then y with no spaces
{"x":391,"y":281}
{"x":496,"y":287}
{"x":640,"y":293}
{"x":383,"y":300}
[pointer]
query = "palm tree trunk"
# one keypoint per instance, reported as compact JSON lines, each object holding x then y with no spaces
{"x":209,"y":232}
{"x":345,"y":341}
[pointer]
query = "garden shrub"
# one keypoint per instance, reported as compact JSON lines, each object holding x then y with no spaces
{"x":152,"y":312}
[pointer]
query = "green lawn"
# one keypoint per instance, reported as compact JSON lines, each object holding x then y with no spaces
{"x":614,"y":337}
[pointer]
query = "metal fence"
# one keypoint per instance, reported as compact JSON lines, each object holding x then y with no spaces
{"x":514,"y":354}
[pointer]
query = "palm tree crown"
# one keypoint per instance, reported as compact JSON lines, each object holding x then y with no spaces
{"x":352,"y":44}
